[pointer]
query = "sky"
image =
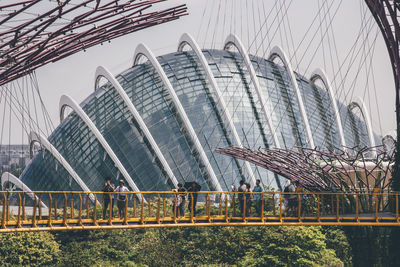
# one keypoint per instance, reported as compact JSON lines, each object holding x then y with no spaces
{"x":260,"y":25}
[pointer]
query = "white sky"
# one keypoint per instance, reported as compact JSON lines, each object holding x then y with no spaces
{"x":210,"y":21}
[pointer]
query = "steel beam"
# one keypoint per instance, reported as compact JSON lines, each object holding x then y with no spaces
{"x":358,"y":102}
{"x":31,"y":40}
{"x":320,"y":74}
{"x":277,"y":52}
{"x":8,"y":177}
{"x":187,"y":39}
{"x":35,"y":137}
{"x":144,"y":51}
{"x":68,"y":101}
{"x":102,"y":72}
{"x":233,"y":40}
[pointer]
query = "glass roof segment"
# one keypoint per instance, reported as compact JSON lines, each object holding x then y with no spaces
{"x":113,"y":119}
{"x":242,"y":101}
{"x":188,"y":79}
{"x":148,"y":95}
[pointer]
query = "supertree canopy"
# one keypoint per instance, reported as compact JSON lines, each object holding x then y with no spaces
{"x":348,"y":170}
{"x":34,"y":33}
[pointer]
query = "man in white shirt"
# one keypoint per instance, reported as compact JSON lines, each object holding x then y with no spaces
{"x":121,"y":198}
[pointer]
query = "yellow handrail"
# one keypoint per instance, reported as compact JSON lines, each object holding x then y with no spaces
{"x":40,"y":211}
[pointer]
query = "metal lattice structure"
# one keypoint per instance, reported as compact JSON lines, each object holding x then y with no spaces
{"x":34,"y":33}
{"x":386,"y":14}
{"x":345,"y":170}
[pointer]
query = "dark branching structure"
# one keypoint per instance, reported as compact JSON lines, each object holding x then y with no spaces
{"x":386,"y":14}
{"x":34,"y":32}
{"x":346,"y":170}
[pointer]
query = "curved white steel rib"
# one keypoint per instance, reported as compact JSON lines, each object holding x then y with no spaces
{"x":142,"y":50}
{"x":35,"y":137}
{"x":320,"y":74}
{"x":103,"y":72}
{"x":187,"y":39}
{"x":68,"y":101}
{"x":233,"y":40}
{"x":278,"y":52}
{"x":8,"y":177}
{"x":358,"y":102}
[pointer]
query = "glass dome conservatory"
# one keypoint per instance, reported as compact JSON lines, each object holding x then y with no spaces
{"x":159,"y":122}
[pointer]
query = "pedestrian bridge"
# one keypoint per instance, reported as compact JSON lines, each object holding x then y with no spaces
{"x":49,"y":211}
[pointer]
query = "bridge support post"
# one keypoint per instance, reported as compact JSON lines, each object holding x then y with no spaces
{"x":19,"y":210}
{"x":3,"y":220}
{"x":385,"y":14}
{"x":95,"y":210}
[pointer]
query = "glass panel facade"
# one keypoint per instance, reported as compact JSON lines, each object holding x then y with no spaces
{"x":78,"y":145}
{"x":200,"y":104}
{"x":154,"y":105}
{"x":355,"y":127}
{"x":52,"y":177}
{"x":321,"y":115}
{"x":243,"y":103}
{"x":118,"y":126}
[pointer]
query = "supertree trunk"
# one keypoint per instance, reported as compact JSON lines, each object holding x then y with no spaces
{"x":386,"y":14}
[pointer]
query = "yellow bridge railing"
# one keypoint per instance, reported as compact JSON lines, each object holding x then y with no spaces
{"x":47,"y":211}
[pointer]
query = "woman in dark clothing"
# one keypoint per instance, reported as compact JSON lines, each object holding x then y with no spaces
{"x":193,"y":189}
{"x":181,"y":200}
{"x":249,"y":197}
{"x":107,"y":197}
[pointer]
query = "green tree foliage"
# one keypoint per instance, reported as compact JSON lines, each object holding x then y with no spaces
{"x":99,"y":248}
{"x":256,"y":246}
{"x":30,"y":249}
{"x":230,"y":246}
{"x":336,"y":239}
{"x":240,"y":246}
{"x":289,"y":246}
